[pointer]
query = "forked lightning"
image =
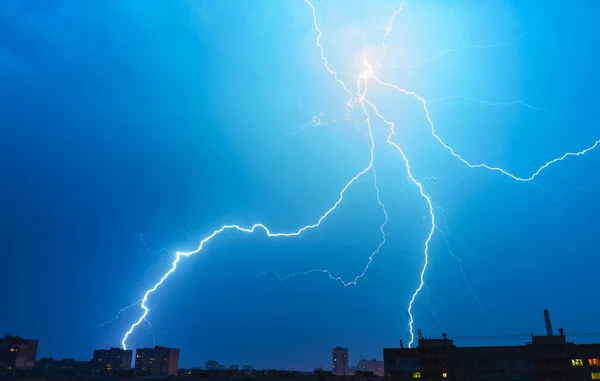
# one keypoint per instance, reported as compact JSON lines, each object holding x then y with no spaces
{"x":369,"y":109}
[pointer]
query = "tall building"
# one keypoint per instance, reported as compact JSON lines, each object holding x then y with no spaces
{"x":374,"y":366}
{"x":339,"y":365}
{"x":111,"y":360}
{"x":157,"y":361}
{"x":17,"y":353}
{"x":548,"y":357}
{"x":211,"y":365}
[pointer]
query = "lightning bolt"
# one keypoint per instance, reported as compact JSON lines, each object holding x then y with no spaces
{"x":368,"y":108}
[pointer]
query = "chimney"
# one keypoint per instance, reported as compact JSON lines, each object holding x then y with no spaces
{"x":548,"y":323}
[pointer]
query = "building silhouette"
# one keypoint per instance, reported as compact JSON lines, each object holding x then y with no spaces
{"x":68,"y":367}
{"x":548,"y":357}
{"x":339,"y":366}
{"x":374,"y":366}
{"x":157,"y":361}
{"x":17,"y":353}
{"x":211,"y":365}
{"x":111,"y":360}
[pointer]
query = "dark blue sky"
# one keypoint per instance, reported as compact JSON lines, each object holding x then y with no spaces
{"x":165,"y":120}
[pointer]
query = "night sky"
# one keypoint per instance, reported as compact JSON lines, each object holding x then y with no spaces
{"x":132,"y":129}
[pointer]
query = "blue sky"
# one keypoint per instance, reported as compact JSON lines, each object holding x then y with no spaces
{"x":132,"y":130}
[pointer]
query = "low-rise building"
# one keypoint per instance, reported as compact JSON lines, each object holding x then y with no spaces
{"x":548,"y":357}
{"x":111,"y":360}
{"x":157,"y":361}
{"x":544,"y":358}
{"x":17,"y":353}
{"x":374,"y":366}
{"x":51,"y":367}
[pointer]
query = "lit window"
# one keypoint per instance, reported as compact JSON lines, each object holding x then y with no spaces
{"x":595,"y":376}
{"x":417,"y":375}
{"x":577,"y":362}
{"x":594,"y":362}
{"x":444,"y":375}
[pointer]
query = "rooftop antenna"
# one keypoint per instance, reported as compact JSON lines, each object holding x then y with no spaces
{"x":548,"y":323}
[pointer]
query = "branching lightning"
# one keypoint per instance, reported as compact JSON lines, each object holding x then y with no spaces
{"x":431,"y":297}
{"x":454,"y":50}
{"x":149,"y":330}
{"x":325,"y":60}
{"x":490,"y":103}
{"x":224,"y":228}
{"x":370,"y":110}
{"x":464,"y":276}
{"x":370,"y":260}
{"x":388,"y":30}
{"x":316,"y":121}
{"x":431,"y":215}
{"x":118,"y":315}
{"x":482,"y":165}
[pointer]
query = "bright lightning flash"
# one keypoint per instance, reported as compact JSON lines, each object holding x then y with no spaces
{"x":368,"y":108}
